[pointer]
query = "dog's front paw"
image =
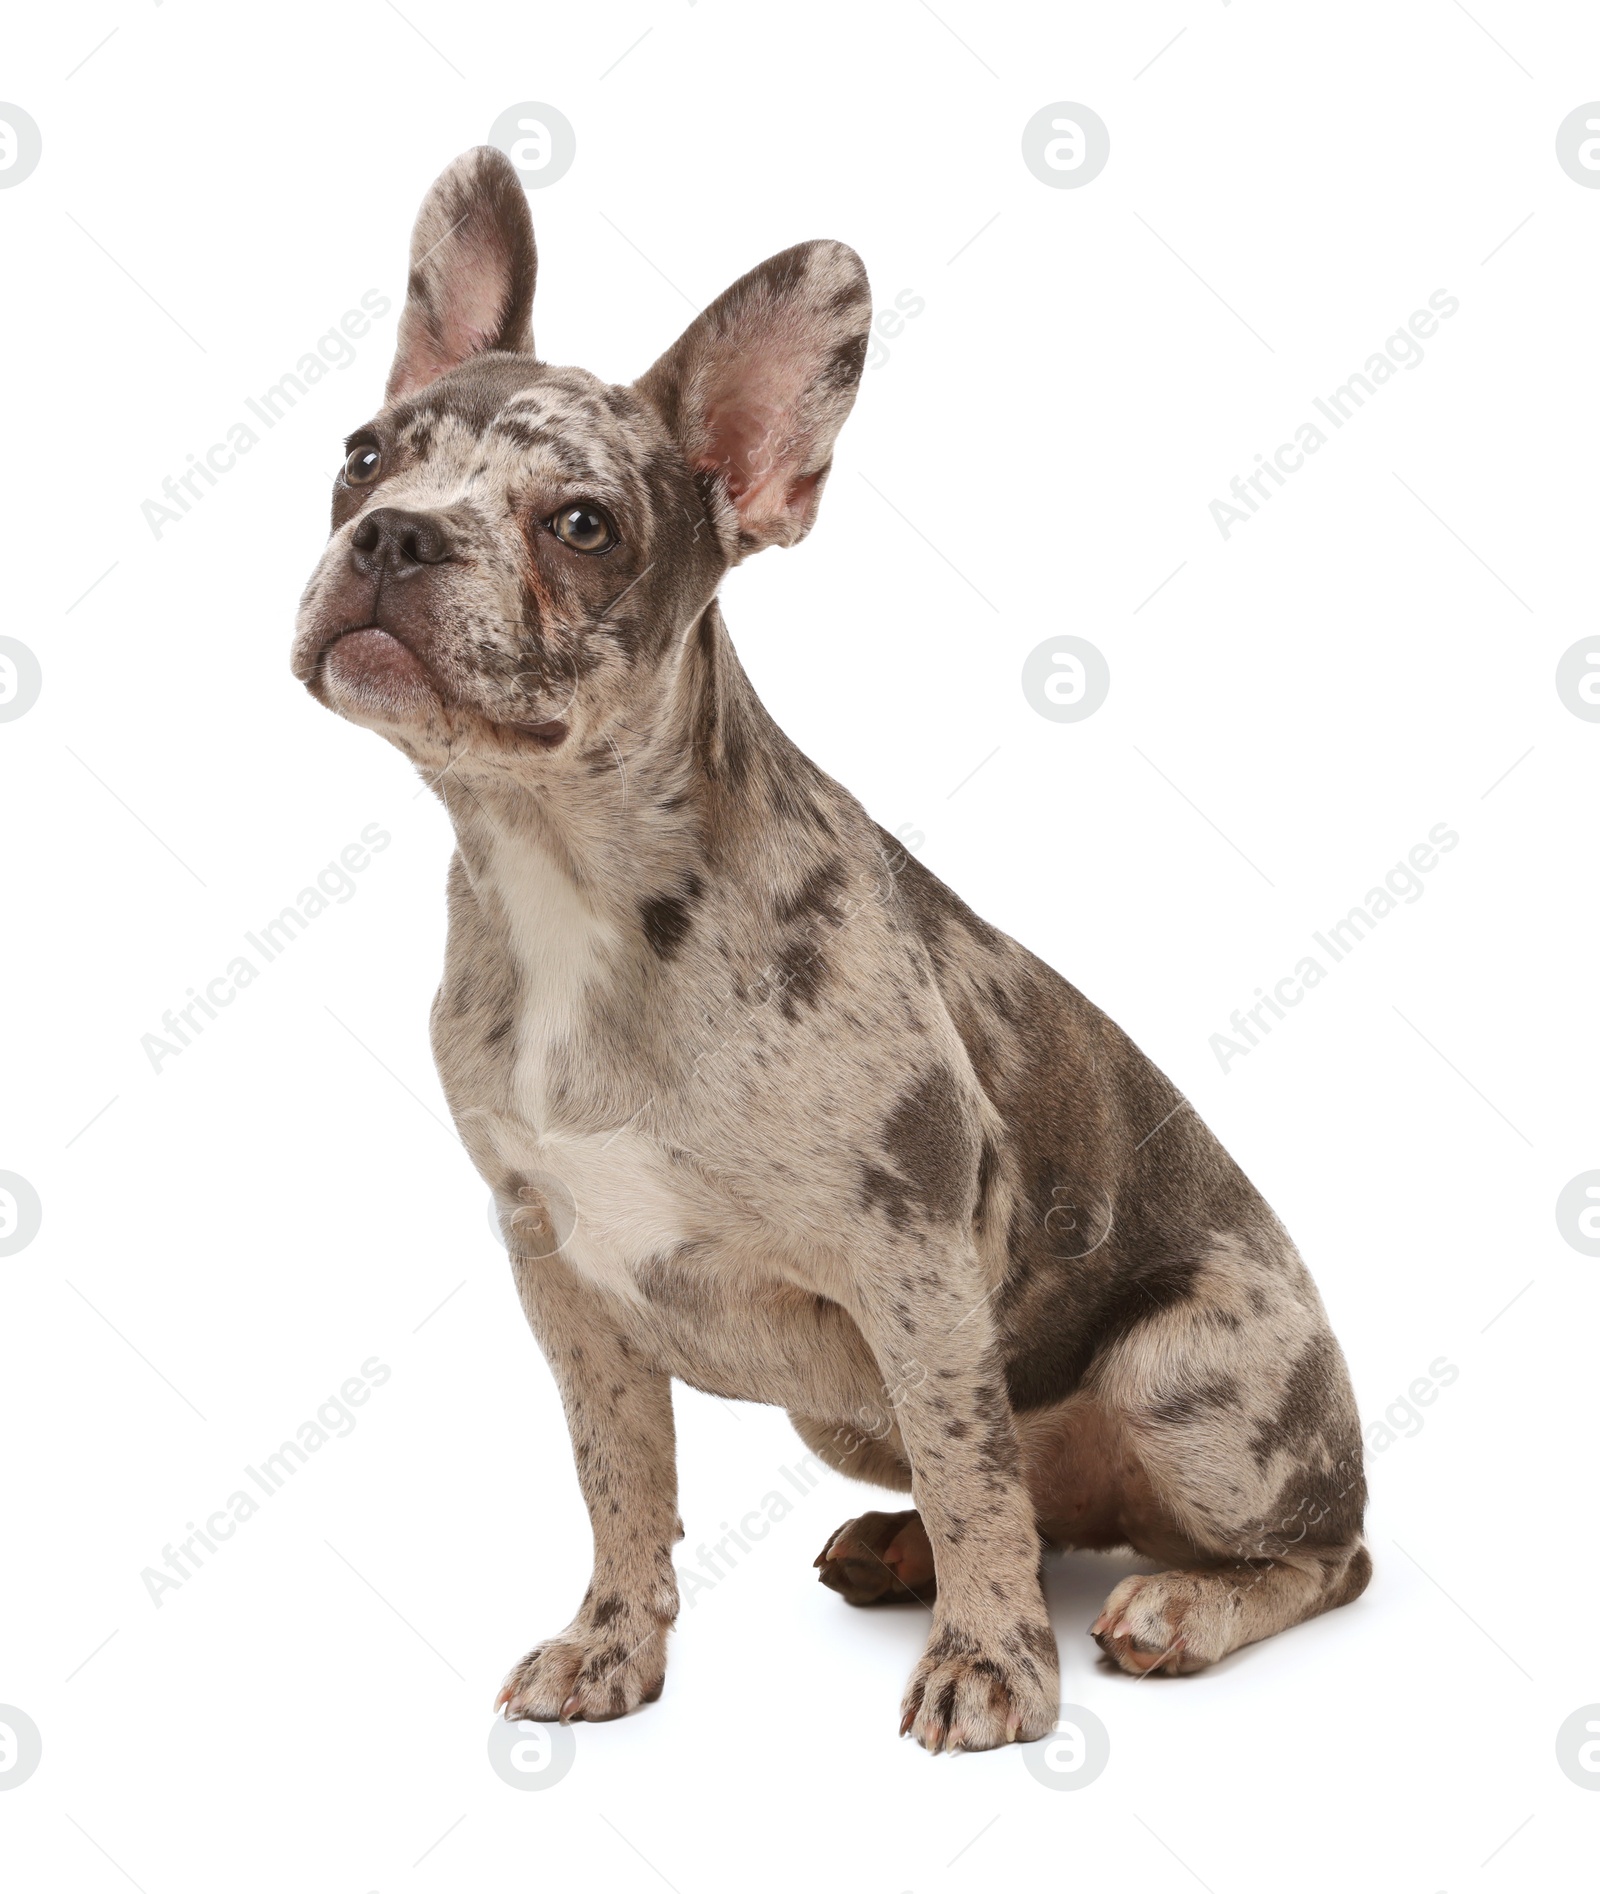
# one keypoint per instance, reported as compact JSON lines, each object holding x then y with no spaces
{"x":587,"y":1675}
{"x":977,"y":1693}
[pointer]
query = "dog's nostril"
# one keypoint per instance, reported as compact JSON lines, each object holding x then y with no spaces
{"x":423,"y":544}
{"x":392,"y":539}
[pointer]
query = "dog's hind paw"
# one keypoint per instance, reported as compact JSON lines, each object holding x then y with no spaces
{"x":879,"y":1559}
{"x":586,"y":1676}
{"x":1163,"y":1623}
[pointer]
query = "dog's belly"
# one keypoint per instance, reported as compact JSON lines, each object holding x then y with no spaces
{"x":757,"y":1339}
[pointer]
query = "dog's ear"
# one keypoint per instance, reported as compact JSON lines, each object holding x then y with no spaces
{"x":473,"y":264}
{"x":758,"y":386}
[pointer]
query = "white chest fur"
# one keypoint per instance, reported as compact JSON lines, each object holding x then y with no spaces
{"x":626,"y":1195}
{"x":563,"y":950}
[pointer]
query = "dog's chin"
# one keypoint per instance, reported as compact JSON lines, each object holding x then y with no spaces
{"x":372,"y":678}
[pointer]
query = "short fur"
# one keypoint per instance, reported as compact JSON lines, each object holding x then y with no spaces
{"x":829,"y":1140}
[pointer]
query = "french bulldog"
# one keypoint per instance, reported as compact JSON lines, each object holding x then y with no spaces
{"x":765,"y":1107}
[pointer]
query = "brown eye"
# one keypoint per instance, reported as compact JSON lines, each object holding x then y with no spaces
{"x":584,"y":529}
{"x":361,"y":465}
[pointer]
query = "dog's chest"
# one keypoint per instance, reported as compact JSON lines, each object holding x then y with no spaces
{"x":621,"y":1196}
{"x":564,"y":953}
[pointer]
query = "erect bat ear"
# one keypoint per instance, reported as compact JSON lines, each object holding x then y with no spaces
{"x":759,"y":384}
{"x":473,"y":264}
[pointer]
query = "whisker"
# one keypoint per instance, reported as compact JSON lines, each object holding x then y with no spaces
{"x":611,"y":741}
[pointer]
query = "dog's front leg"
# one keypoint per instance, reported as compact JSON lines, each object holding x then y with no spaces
{"x":613,"y":1655}
{"x":989,"y":1673}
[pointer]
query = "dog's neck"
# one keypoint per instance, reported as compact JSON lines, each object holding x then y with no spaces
{"x":704,"y":788}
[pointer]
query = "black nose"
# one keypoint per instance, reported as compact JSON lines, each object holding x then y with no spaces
{"x":391,"y":543}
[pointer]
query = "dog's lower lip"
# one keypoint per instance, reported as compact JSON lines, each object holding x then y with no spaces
{"x":374,"y":668}
{"x":357,"y":631}
{"x":369,"y":638}
{"x":369,"y":662}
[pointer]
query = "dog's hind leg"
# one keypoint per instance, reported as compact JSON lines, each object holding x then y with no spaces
{"x":1237,"y":1406}
{"x":1183,"y":1620}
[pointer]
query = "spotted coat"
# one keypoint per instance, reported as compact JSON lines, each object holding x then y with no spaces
{"x":765,"y":1107}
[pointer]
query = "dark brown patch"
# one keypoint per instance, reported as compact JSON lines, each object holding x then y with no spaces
{"x":814,"y":898}
{"x":1189,"y":1403}
{"x":928,"y":1137}
{"x":882,"y":1190}
{"x":666,"y":918}
{"x":1089,"y":1310}
{"x":1311,"y":1398}
{"x":800,"y":969}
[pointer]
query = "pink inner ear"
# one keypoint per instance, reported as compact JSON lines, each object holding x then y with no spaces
{"x":465,"y":315}
{"x":475,"y":308}
{"x":752,"y":437}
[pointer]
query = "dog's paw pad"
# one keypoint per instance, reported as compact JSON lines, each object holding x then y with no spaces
{"x":878,"y":1559}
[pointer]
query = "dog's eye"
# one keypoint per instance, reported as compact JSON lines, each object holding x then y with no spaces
{"x":361,"y":465}
{"x":584,"y":529}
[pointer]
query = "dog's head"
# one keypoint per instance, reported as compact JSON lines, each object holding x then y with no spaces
{"x":518,"y":549}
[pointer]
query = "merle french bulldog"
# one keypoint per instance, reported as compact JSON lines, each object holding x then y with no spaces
{"x":764,"y":1105}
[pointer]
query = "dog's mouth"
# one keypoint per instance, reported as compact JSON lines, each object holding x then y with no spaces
{"x":368,"y":672}
{"x":369,"y":662}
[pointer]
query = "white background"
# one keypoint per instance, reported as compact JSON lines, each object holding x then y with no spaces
{"x":1291,"y":711}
